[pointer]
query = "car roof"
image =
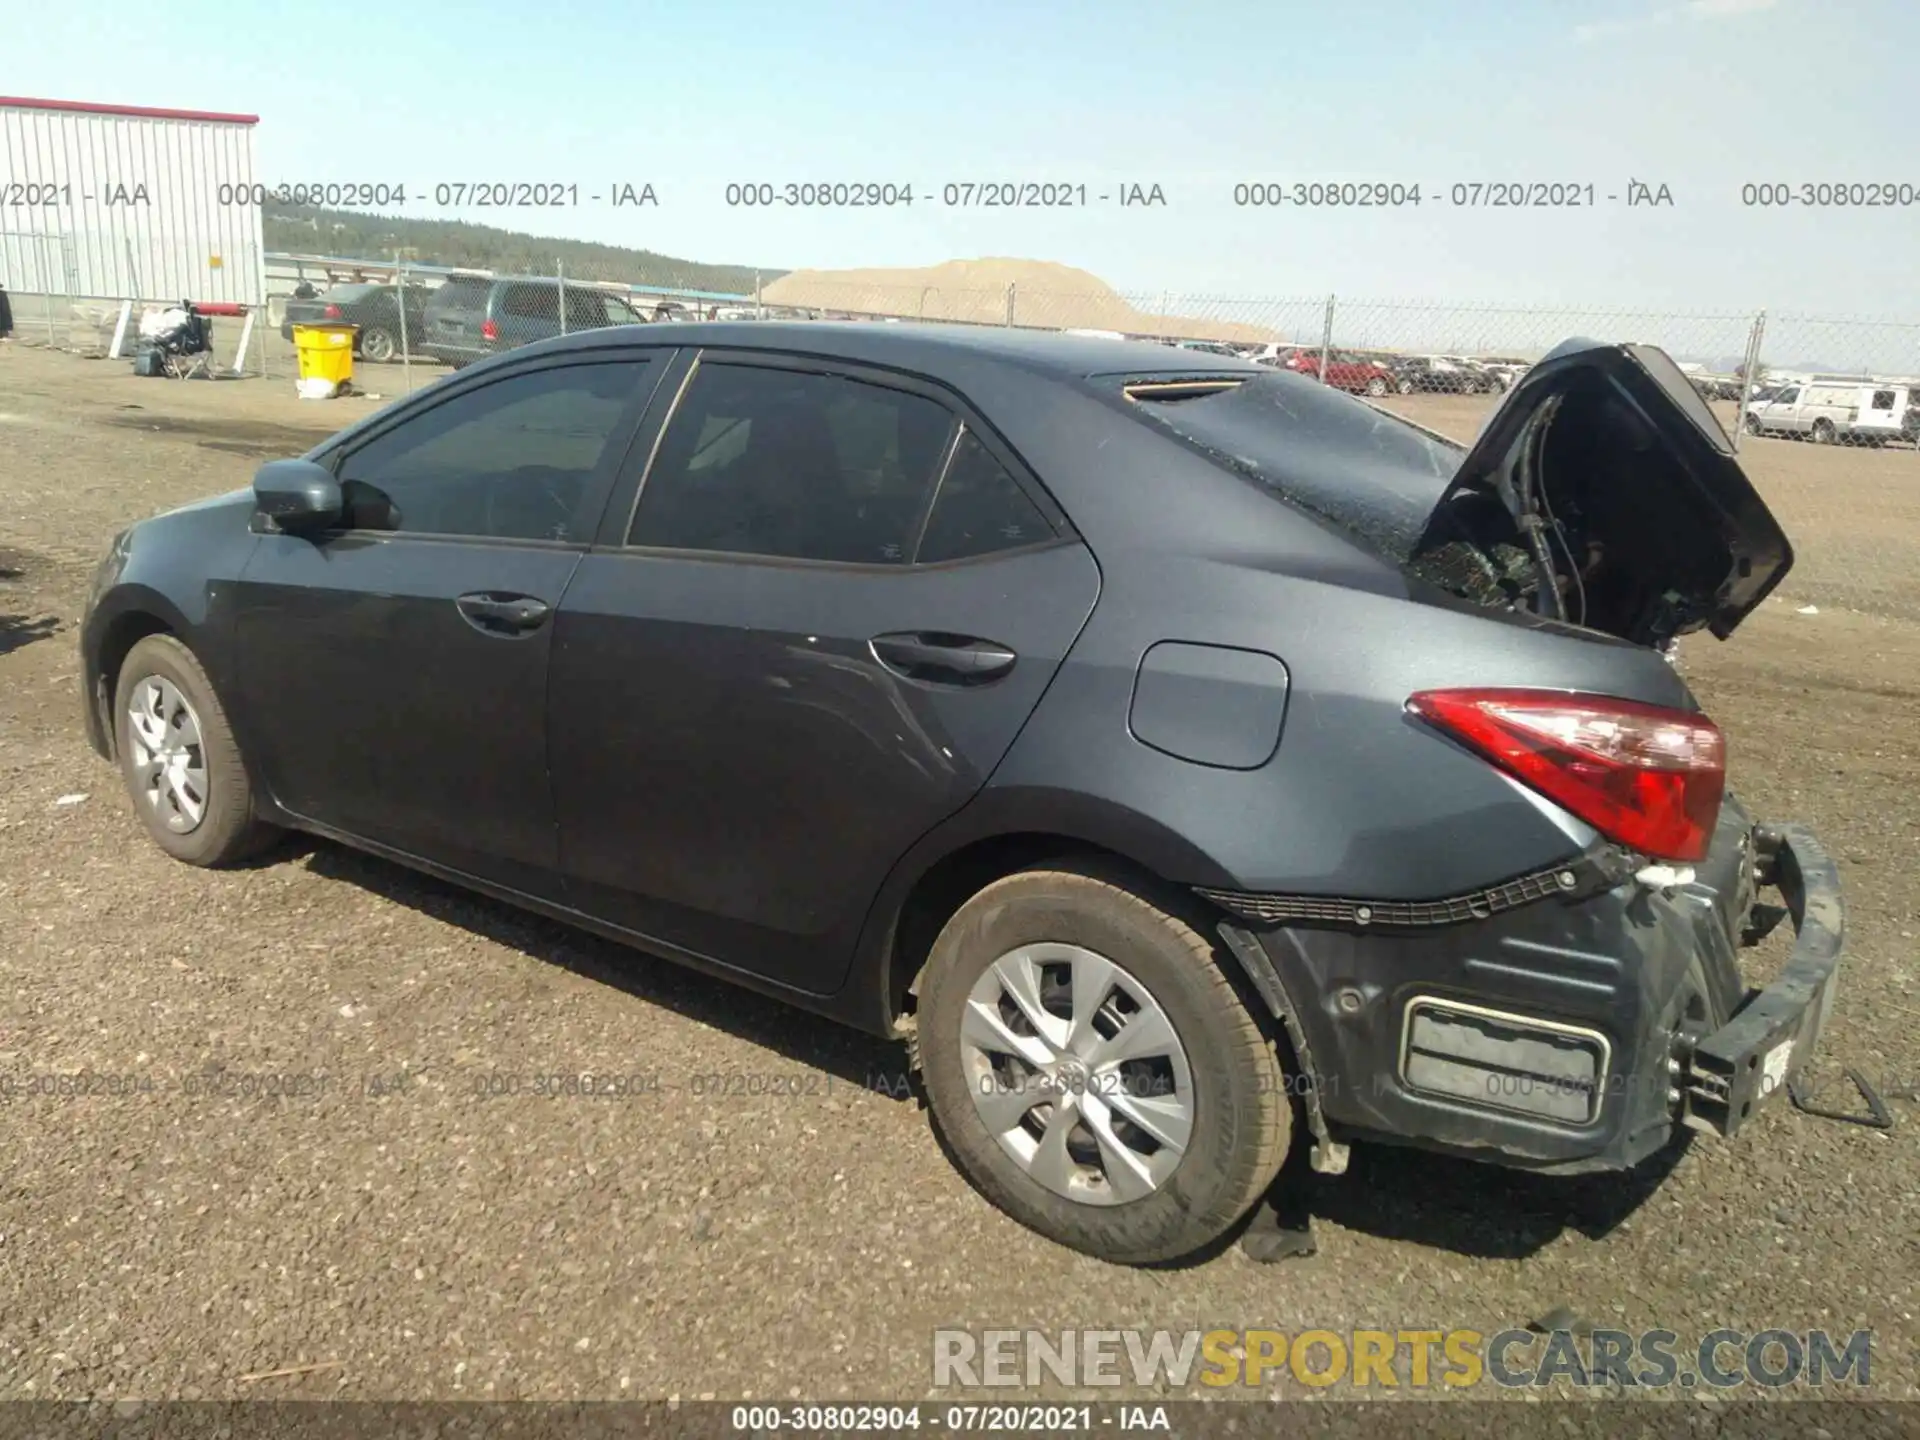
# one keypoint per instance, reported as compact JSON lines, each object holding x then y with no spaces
{"x":926,"y":347}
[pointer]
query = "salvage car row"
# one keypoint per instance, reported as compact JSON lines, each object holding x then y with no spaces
{"x":471,"y":316}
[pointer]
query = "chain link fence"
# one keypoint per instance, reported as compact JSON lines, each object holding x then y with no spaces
{"x":1825,"y":411}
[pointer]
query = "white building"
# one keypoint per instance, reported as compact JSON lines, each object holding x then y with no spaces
{"x":126,"y":202}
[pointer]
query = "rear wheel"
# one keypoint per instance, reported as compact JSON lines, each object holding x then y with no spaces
{"x":179,"y":759}
{"x":1823,"y":433}
{"x":377,"y":344}
{"x":1377,"y":386}
{"x":1095,"y":1070}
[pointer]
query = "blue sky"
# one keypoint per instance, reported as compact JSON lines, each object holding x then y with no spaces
{"x":1699,"y":95}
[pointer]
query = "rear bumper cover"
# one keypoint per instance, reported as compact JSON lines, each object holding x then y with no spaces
{"x":1573,"y":1032}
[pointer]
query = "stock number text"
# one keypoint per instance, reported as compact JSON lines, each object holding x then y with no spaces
{"x":838,"y":194}
{"x":1317,"y":194}
{"x":1823,"y":195}
{"x":330,"y":195}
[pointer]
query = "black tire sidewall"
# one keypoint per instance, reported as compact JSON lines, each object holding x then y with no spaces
{"x":366,"y":338}
{"x":229,"y":819}
{"x":1207,"y":1194}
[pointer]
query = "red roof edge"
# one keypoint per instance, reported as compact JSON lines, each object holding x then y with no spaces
{"x":21,"y":102}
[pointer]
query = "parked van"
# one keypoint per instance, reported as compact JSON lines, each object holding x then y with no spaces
{"x":1828,"y":411}
{"x":473,"y":316}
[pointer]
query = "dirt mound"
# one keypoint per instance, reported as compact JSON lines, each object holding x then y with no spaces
{"x":1040,"y":293}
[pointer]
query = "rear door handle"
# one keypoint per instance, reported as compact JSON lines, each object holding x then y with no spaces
{"x":942,"y":659}
{"x":501,"y":614}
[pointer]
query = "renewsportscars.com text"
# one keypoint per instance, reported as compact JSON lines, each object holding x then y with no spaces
{"x":1395,"y":1359}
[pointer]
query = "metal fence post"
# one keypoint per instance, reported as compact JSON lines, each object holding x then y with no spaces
{"x":1326,"y":340}
{"x":560,"y":273}
{"x":400,"y":297}
{"x":46,"y":266}
{"x":1010,"y":303}
{"x":1748,"y":375}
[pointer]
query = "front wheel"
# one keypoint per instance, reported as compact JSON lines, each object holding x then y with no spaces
{"x":179,"y":759}
{"x":1096,"y":1071}
{"x":1405,"y":387}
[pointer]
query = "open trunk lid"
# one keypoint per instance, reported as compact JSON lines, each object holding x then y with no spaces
{"x":1601,"y":492}
{"x":1610,"y":474}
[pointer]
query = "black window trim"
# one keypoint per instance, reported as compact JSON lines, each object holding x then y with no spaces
{"x":657,"y":359}
{"x":967,"y":420}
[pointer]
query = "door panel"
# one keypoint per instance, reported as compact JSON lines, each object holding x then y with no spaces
{"x":735,"y":769}
{"x":380,"y":710}
{"x":393,"y":672}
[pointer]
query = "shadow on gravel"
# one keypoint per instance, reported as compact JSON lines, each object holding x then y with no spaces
{"x":19,"y":630}
{"x":845,"y":1054}
{"x":1479,"y":1210}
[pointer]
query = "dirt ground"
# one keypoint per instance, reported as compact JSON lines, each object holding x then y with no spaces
{"x":419,"y":1239}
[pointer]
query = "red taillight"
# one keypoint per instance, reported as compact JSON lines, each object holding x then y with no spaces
{"x":489,"y":331}
{"x":1645,"y":776}
{"x":332,"y":312}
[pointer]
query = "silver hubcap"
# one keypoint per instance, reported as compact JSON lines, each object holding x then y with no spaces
{"x":1078,"y":1073}
{"x":169,"y":763}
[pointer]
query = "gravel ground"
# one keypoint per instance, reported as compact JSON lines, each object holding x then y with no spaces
{"x":392,"y":1221}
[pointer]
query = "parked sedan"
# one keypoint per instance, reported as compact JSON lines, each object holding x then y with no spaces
{"x":1344,"y":371}
{"x":375,"y":308}
{"x":1185,"y":761}
{"x":1429,"y":374}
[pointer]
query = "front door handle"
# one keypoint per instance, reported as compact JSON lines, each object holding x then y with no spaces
{"x":499,"y":614}
{"x":942,"y":659}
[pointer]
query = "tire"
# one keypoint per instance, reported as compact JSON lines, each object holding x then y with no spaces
{"x":1753,"y":424}
{"x":158,"y":672}
{"x":1823,"y":432}
{"x":1171,"y":1200}
{"x":1376,"y":387}
{"x":377,"y":344}
{"x":1405,"y":387}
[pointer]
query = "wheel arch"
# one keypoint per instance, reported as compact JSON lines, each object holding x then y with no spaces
{"x":1000,"y":833}
{"x":111,"y":638}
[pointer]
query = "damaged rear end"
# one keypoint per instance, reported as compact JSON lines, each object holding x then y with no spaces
{"x":1573,"y":1016}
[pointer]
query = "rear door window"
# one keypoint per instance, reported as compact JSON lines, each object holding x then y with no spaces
{"x":792,"y":464}
{"x":586,"y":310}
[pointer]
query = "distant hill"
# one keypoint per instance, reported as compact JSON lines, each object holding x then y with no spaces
{"x":310,"y":230}
{"x":1043,"y":294}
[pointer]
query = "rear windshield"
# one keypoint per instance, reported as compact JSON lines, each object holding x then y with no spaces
{"x":461,"y":295}
{"x":352,"y":294}
{"x":1369,"y":472}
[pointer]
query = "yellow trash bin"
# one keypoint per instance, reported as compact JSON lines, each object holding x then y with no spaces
{"x":325,"y":352}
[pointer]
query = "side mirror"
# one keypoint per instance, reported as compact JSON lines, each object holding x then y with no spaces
{"x":297,"y":495}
